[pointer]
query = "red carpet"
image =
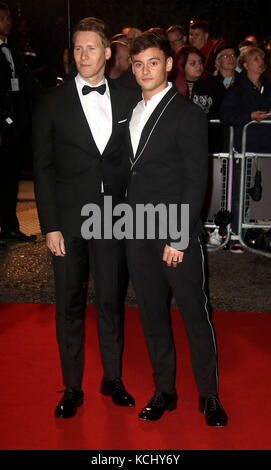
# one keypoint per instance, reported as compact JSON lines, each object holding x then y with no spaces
{"x":30,"y":376}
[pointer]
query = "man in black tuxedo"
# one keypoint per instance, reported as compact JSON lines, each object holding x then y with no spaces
{"x":167,"y":146}
{"x":78,"y":138}
{"x":18,"y":89}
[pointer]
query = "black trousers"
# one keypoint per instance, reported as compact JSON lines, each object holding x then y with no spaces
{"x":153,"y":280}
{"x":10,"y":153}
{"x":106,"y":260}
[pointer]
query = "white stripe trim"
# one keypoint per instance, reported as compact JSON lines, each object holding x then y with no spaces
{"x":134,"y":162}
{"x":206,"y":302}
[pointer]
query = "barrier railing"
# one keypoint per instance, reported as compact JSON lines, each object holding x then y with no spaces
{"x":226,"y":159}
{"x":245,"y":156}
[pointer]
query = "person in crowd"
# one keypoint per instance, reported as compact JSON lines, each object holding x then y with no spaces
{"x":132,"y":33}
{"x":18,"y":89}
{"x":267,"y":48}
{"x":119,"y":61}
{"x":252,"y":39}
{"x":164,"y":123}
{"x":78,"y":137}
{"x":120,"y":37}
{"x":249,"y":99}
{"x":177,"y":36}
{"x":199,"y":36}
{"x":187,"y":75}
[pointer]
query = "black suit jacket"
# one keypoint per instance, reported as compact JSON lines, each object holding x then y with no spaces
{"x":171,"y":162}
{"x":68,"y":167}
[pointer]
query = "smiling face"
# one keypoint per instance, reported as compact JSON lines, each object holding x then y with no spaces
{"x":90,"y":56}
{"x":194,"y":67}
{"x":226,"y":60}
{"x":151,"y":68}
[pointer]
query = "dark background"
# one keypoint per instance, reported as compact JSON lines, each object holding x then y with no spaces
{"x":233,"y":19}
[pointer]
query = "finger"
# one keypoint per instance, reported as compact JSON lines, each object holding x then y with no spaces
{"x":62,"y":246}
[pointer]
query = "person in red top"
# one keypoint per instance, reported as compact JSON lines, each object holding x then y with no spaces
{"x":199,"y":36}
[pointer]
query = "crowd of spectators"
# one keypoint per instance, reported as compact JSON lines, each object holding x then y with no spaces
{"x":230,"y":82}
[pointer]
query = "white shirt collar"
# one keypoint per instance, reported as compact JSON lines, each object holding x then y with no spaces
{"x":3,"y":42}
{"x":155,"y":99}
{"x":81,"y":82}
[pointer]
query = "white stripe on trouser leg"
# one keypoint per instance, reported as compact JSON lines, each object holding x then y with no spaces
{"x":205,"y":306}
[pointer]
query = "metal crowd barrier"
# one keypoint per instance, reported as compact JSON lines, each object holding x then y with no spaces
{"x":244,"y":179}
{"x":226,"y":167}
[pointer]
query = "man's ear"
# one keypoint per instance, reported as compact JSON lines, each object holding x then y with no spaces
{"x":107,"y":53}
{"x":169,"y":64}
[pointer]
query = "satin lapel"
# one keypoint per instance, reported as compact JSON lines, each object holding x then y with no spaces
{"x":147,"y":129}
{"x":115,"y":103}
{"x":79,"y":118}
{"x":128,"y":137}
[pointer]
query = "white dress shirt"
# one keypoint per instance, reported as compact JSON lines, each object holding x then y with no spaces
{"x":141,"y":114}
{"x":98,"y":112}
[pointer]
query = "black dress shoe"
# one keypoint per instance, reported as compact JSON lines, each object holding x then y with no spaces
{"x":213,"y":410}
{"x":68,"y":404}
{"x":157,"y":405}
{"x":17,"y":235}
{"x":116,"y":390}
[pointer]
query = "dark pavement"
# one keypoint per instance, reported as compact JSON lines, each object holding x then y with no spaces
{"x":237,"y":282}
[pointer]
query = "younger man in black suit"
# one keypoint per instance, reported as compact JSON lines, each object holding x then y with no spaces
{"x":167,"y":146}
{"x":78,"y":140}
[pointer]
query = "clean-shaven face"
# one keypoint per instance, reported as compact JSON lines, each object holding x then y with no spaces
{"x":197,"y":37}
{"x":151,"y":68}
{"x":194,"y":67}
{"x":90,"y":56}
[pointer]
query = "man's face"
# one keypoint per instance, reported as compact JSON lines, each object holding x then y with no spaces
{"x":5,"y":23}
{"x":176,"y":40}
{"x":123,"y":58}
{"x":197,"y":37}
{"x":90,"y":56}
{"x":151,"y":70}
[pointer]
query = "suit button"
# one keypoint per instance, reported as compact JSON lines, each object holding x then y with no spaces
{"x":134,"y":173}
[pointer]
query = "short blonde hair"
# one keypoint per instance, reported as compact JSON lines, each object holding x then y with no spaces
{"x":248,"y":52}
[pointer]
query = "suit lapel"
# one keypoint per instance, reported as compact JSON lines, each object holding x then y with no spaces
{"x":115,"y":103}
{"x":152,"y":121}
{"x":84,"y":132}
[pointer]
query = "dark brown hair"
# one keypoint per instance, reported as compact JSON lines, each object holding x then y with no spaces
{"x":97,"y":26}
{"x":154,"y":37}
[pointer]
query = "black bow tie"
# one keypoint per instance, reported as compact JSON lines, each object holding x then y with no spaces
{"x":87,"y":89}
{"x":3,"y":45}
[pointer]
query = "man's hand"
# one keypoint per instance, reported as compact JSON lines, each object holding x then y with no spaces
{"x":55,"y":243}
{"x":259,"y":115}
{"x":172,"y":257}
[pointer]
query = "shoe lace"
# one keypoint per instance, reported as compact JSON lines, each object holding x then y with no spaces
{"x":212,"y":403}
{"x":156,"y":400}
{"x":118,"y":385}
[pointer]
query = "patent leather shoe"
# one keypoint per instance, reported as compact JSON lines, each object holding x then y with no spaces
{"x":68,"y":404}
{"x":214,"y":413}
{"x":157,"y":405}
{"x":116,"y":390}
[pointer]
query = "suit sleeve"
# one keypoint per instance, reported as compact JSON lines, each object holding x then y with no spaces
{"x":44,"y":167}
{"x":193,"y":149}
